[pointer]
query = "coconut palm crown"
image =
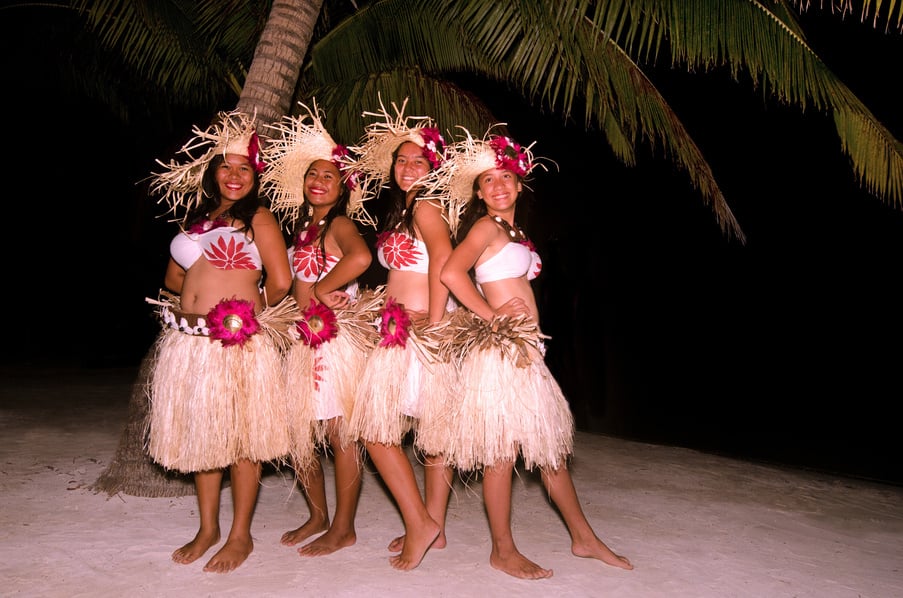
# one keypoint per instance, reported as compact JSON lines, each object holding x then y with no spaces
{"x":591,"y":60}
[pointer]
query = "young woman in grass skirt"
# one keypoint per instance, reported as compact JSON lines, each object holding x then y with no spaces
{"x":315,"y":195}
{"x":216,"y":392}
{"x":508,"y":406}
{"x":413,"y":246}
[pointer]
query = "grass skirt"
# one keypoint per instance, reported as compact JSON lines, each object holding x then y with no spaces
{"x":389,"y":395}
{"x":322,"y":380}
{"x":211,"y":405}
{"x":506,"y":403}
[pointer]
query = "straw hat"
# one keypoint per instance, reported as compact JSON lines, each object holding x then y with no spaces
{"x":452,"y":183}
{"x":299,"y":142}
{"x":180,"y":184}
{"x":382,"y":138}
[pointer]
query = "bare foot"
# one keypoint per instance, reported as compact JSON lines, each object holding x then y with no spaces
{"x":517,"y":565}
{"x":328,"y":543}
{"x":598,"y":550}
{"x":196,"y":548}
{"x":416,"y":543}
{"x":397,"y":545}
{"x":311,"y":527}
{"x":230,"y":556}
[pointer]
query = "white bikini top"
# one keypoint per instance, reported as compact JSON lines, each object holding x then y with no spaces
{"x":400,"y":251}
{"x":310,"y":263}
{"x":225,"y":247}
{"x":513,"y":260}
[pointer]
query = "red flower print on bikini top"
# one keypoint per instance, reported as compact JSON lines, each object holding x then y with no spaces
{"x":310,"y":263}
{"x":227,"y":252}
{"x":399,"y":250}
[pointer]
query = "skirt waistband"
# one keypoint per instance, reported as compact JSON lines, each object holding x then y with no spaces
{"x":194,"y":324}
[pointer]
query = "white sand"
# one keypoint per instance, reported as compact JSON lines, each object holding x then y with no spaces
{"x":693,"y":524}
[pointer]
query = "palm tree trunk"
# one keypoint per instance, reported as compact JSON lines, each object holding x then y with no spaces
{"x":270,"y":84}
{"x":267,"y":92}
{"x":132,"y":471}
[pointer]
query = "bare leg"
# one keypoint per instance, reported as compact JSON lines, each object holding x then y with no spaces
{"x":313,"y":484}
{"x":497,"y":497}
{"x":208,"y":485}
{"x":341,"y":533}
{"x":584,"y":542}
{"x":245,"y":478}
{"x":420,"y":529}
{"x":437,"y":479}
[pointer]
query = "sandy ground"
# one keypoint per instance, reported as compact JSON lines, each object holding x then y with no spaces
{"x":694,"y":525}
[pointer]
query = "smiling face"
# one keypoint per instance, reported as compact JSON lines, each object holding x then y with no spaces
{"x":235,"y":177}
{"x":322,"y":184}
{"x":410,"y":164}
{"x":499,"y":189}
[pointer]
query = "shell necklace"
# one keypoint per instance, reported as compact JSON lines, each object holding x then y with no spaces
{"x":515,"y":232}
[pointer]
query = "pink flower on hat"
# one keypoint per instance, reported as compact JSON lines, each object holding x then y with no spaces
{"x":433,"y":145}
{"x":254,"y":153}
{"x":510,"y":155}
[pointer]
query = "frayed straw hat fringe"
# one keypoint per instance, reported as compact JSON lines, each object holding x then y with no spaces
{"x":381,"y":138}
{"x":298,"y":142}
{"x":180,"y":184}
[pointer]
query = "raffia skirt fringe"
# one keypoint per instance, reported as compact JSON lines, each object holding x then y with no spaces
{"x":321,"y":381}
{"x":504,"y":403}
{"x":211,"y":406}
{"x":389,"y":397}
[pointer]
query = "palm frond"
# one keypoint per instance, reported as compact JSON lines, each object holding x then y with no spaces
{"x":770,"y":46}
{"x":876,"y":11}
{"x":558,"y":57}
{"x":191,"y":50}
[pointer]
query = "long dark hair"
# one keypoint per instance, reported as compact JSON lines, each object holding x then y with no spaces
{"x":396,"y":214}
{"x":338,"y":209}
{"x":243,"y":210}
{"x":476,"y":208}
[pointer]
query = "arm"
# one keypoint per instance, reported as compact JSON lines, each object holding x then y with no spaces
{"x":436,"y":236}
{"x":273,"y":254}
{"x":355,"y":260}
{"x":456,"y":272}
{"x":175,"y":276}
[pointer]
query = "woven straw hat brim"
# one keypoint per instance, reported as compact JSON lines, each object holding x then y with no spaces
{"x":298,"y":142}
{"x":180,"y":183}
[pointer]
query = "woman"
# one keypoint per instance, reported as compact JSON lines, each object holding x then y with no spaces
{"x":413,"y":247}
{"x":215,"y":392}
{"x":334,"y":334}
{"x":510,"y":405}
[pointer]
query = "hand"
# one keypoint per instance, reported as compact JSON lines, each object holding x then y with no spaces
{"x":513,"y":307}
{"x":334,"y":299}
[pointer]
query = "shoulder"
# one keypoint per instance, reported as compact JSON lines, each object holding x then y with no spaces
{"x":426,"y":208}
{"x":263,"y":215}
{"x":428,"y":213}
{"x":486,"y":225}
{"x":484,"y":231}
{"x":344,"y":225}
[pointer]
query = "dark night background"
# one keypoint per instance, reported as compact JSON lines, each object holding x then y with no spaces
{"x":785,"y":350}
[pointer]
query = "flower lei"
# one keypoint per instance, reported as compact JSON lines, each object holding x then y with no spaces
{"x":394,"y":325}
{"x":318,"y":325}
{"x":254,"y":154}
{"x":232,"y":322}
{"x":381,"y":237}
{"x":433,"y":145}
{"x":206,"y":225}
{"x":510,"y":155}
{"x":307,"y":236}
